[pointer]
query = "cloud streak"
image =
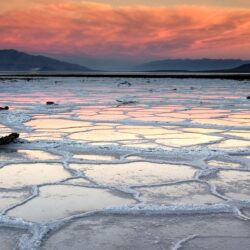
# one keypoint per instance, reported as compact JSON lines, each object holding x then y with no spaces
{"x":139,"y":31}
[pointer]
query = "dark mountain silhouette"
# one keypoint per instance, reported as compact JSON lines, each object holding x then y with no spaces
{"x":191,"y":65}
{"x":12,"y":60}
{"x":245,"y":68}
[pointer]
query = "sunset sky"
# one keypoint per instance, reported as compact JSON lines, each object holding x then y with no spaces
{"x":127,"y":30}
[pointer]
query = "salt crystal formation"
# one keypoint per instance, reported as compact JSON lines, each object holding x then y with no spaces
{"x":161,"y":169}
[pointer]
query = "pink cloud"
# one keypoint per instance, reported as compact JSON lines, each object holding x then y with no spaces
{"x":98,"y":29}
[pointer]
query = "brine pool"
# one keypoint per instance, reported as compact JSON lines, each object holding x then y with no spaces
{"x":161,"y":164}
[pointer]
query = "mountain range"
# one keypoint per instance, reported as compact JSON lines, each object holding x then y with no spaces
{"x":12,"y":60}
{"x":192,"y":65}
{"x":245,"y":68}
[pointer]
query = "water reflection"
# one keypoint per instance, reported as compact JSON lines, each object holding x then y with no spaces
{"x":187,"y":193}
{"x":55,"y":202}
{"x":19,"y":175}
{"x":135,"y":173}
{"x":24,"y":154}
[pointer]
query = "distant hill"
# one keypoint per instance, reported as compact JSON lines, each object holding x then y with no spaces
{"x":245,"y":68}
{"x":191,"y":65}
{"x":12,"y":60}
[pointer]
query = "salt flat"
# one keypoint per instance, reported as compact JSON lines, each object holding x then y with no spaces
{"x":160,"y":164}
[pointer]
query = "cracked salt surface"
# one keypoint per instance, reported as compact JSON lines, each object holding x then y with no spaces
{"x":28,"y":174}
{"x":9,"y":237}
{"x":8,"y":198}
{"x":151,"y":232}
{"x":56,"y":202}
{"x":169,"y":171}
{"x":233,"y":184}
{"x":223,"y":164}
{"x":93,"y":157}
{"x":19,"y":155}
{"x":187,"y":193}
{"x":135,"y":173}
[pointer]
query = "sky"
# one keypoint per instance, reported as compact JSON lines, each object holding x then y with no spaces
{"x":116,"y":32}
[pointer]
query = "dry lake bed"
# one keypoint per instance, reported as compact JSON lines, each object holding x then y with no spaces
{"x":125,"y":164}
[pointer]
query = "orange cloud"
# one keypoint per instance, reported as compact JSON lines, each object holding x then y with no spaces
{"x":98,"y":29}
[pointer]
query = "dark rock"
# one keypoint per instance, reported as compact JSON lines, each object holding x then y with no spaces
{"x":174,"y":89}
{"x":124,"y":102}
{"x":248,"y":97}
{"x":4,"y":108}
{"x":50,"y":103}
{"x":126,"y":83}
{"x":8,"y":139}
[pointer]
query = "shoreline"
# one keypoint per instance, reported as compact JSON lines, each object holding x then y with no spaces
{"x":224,"y":76}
